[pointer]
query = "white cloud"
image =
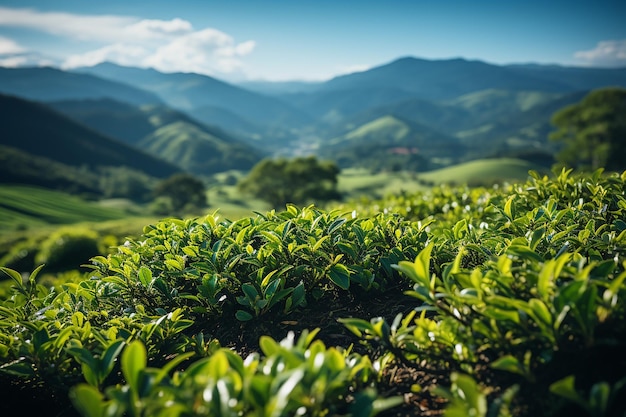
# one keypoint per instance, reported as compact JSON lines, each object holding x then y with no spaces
{"x":610,"y":53}
{"x":9,"y":46}
{"x":82,"y":27}
{"x":167,"y":45}
{"x":245,"y":48}
{"x":149,"y":29}
{"x":25,"y":60}
{"x":14,"y":55}
{"x":206,"y":52}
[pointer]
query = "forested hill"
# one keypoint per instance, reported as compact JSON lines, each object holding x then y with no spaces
{"x":165,"y":133}
{"x":35,"y":129}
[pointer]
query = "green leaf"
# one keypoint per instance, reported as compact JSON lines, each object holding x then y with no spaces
{"x":524,"y":252}
{"x":134,"y":360}
{"x":474,"y":401}
{"x":383,"y":404}
{"x":89,"y":364}
{"x":340,"y":276}
{"x":599,"y":398}
{"x":243,"y":315}
{"x":259,"y":390}
{"x":14,"y":275}
{"x":109,"y":356}
{"x":19,"y":368}
{"x":357,"y":326}
{"x":268,"y":345}
{"x":336,"y":224}
{"x":565,"y":388}
{"x":541,"y":311}
{"x":250,"y":291}
{"x":145,"y":276}
{"x":174,"y":264}
{"x":509,"y":363}
{"x":508,"y":207}
{"x":297,"y":297}
{"x":88,"y":400}
{"x":419,"y":270}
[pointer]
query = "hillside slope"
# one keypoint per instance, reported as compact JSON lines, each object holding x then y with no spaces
{"x":166,"y":133}
{"x":50,"y":84}
{"x":391,"y":142}
{"x":38,"y":130}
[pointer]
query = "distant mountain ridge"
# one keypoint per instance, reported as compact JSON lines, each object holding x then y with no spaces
{"x":192,"y":92}
{"x":50,"y":84}
{"x":445,"y":80}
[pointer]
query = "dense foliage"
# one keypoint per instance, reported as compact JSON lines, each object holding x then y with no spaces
{"x":593,"y":130}
{"x":502,"y":301}
{"x":296,"y":181}
{"x":182,"y":191}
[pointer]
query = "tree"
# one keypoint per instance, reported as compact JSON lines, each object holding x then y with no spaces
{"x":593,"y":131}
{"x":298,"y":181}
{"x":183,"y":191}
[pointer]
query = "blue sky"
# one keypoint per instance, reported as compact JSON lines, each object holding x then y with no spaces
{"x":305,"y":39}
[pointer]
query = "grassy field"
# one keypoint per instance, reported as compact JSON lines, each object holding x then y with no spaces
{"x":482,"y":171}
{"x":357,"y":182}
{"x":25,"y":206}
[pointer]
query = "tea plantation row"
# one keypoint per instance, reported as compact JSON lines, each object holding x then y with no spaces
{"x":503,"y":301}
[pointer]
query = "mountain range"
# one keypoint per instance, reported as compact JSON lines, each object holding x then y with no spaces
{"x":407,"y":114}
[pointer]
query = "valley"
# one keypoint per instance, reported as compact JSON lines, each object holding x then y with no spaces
{"x":110,"y":133}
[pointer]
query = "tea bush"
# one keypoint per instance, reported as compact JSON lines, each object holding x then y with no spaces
{"x":68,"y":248}
{"x":515,"y":294}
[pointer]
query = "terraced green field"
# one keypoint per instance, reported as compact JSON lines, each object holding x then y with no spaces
{"x":24,"y":206}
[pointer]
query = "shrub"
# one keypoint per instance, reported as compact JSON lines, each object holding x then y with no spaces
{"x":517,"y":307}
{"x":68,"y":248}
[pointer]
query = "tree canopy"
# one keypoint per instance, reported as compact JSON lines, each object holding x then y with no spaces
{"x":299,"y":181}
{"x":593,"y":131}
{"x":183,"y":191}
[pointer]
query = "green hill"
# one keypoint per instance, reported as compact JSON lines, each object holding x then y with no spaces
{"x":390,"y":142}
{"x":19,"y":167}
{"x":25,"y":206}
{"x":38,"y":130}
{"x":197,"y":150}
{"x":165,"y":133}
{"x":482,"y":171}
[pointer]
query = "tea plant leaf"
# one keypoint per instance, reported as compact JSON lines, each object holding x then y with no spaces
{"x":268,"y":345}
{"x":145,"y":276}
{"x":134,"y":360}
{"x":419,"y":270}
{"x":243,"y":315}
{"x":508,"y":208}
{"x":509,"y":363}
{"x":109,"y":356}
{"x":340,"y":276}
{"x":88,"y":400}
{"x":14,"y":275}
{"x":566,"y":389}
